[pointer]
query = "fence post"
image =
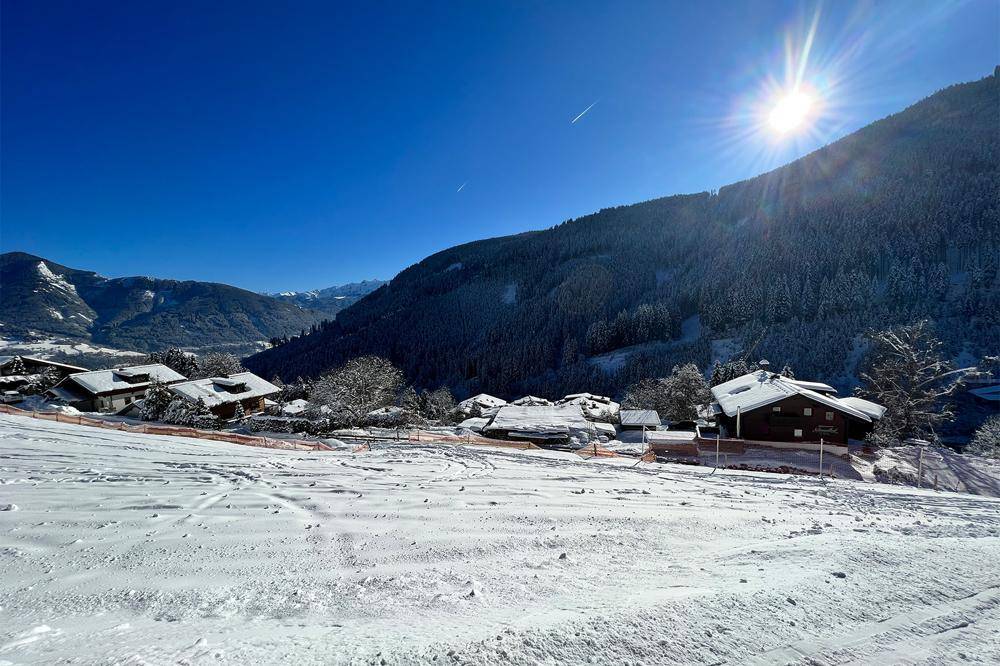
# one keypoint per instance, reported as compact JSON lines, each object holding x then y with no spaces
{"x":920,"y":466}
{"x":717,"y":436}
{"x":820,"y":458}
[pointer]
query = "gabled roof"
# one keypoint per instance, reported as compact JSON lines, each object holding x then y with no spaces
{"x":483,"y":400}
{"x":762,"y":388}
{"x":639,"y":417}
{"x":99,"y":382}
{"x":215,"y":391}
{"x":4,"y":360}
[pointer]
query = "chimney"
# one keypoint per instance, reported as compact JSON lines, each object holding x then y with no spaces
{"x":764,"y":364}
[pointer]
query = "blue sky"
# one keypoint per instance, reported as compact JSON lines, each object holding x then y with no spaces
{"x":296,"y":145}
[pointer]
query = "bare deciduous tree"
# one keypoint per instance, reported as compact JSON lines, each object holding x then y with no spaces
{"x":359,"y":386}
{"x":908,"y":375}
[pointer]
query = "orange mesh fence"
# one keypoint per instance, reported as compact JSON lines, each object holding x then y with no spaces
{"x":175,"y":431}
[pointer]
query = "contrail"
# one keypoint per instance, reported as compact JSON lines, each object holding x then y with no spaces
{"x":582,"y":114}
{"x":462,"y":187}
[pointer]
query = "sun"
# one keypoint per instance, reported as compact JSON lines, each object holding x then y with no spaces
{"x":791,"y":112}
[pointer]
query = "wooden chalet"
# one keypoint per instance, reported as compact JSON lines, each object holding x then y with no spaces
{"x":110,"y":390}
{"x":770,"y":407}
{"x":222,"y":394}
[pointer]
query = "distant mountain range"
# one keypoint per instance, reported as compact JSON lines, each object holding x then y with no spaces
{"x":41,"y":298}
{"x":332,"y":299}
{"x":895,"y":222}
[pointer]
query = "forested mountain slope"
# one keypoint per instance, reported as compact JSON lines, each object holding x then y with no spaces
{"x":895,"y":222}
{"x":41,"y":297}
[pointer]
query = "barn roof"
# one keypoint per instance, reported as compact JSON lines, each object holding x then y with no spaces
{"x":762,"y":388}
{"x":215,"y":391}
{"x":98,"y":382}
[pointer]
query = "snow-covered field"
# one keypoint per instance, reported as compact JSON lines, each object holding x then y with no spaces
{"x":125,"y":548}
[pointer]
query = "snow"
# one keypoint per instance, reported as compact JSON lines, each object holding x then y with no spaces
{"x":130,"y":548}
{"x":51,"y":346}
{"x":953,"y":471}
{"x":293,"y":407}
{"x":510,"y":294}
{"x":57,"y":281}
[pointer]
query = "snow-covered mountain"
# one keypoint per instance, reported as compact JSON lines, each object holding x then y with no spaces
{"x":40,"y":298}
{"x":330,"y":300}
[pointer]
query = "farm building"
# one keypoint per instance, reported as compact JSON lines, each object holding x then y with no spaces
{"x":222,"y":394}
{"x":770,"y":407}
{"x":110,"y":390}
{"x":16,"y":371}
{"x":637,"y":419}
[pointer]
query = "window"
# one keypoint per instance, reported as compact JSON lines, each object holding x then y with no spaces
{"x":829,"y":416}
{"x":798,"y":432}
{"x":807,"y":411}
{"x":776,"y":409}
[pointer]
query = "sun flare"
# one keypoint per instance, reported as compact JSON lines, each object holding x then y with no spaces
{"x":791,"y":112}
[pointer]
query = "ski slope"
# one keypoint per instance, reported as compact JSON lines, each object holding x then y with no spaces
{"x":127,"y":548}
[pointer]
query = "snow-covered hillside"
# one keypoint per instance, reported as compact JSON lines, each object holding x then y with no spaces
{"x":126,"y":548}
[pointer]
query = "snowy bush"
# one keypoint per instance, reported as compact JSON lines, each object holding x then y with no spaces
{"x":41,"y":382}
{"x":185,"y":413}
{"x":219,"y":364}
{"x":179,"y":361}
{"x":675,"y":397}
{"x":986,"y":441}
{"x":156,"y":401}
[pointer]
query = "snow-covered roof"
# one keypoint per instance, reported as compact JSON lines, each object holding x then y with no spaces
{"x":762,"y":388}
{"x":639,"y":417}
{"x":819,"y":387}
{"x":530,"y":400}
{"x":870,"y":408}
{"x":594,"y":406}
{"x":586,"y":396}
{"x":296,"y":406}
{"x":215,"y":391}
{"x":98,"y":382}
{"x":539,"y":419}
{"x":483,"y":401}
